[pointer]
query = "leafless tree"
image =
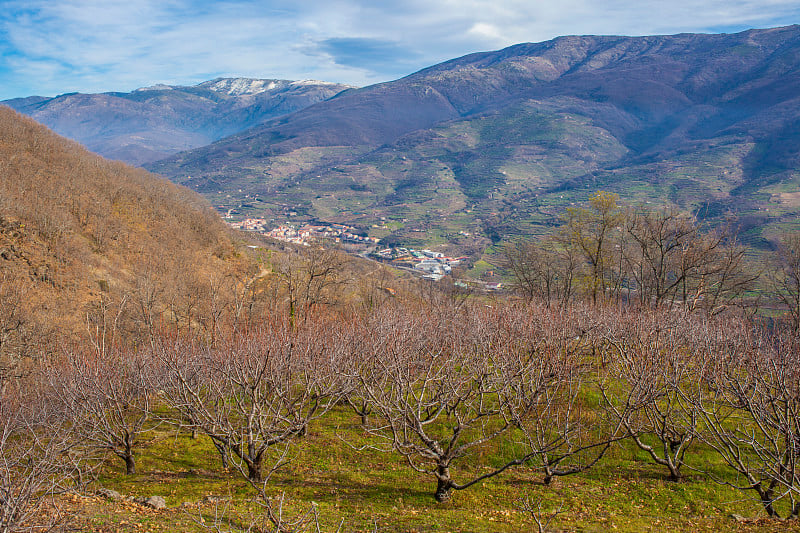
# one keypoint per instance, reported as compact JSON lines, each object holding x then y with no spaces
{"x":541,"y":518}
{"x":654,"y":257}
{"x":661,"y":253}
{"x":105,"y":322}
{"x":649,"y":363}
{"x":785,"y":276}
{"x":253,"y":393}
{"x":565,"y":436}
{"x":306,"y":279}
{"x":146,"y":296}
{"x":246,"y":293}
{"x":541,"y":270}
{"x":37,"y":462}
{"x":107,"y":396}
{"x":725,"y":276}
{"x":271,"y":515}
{"x":374,"y":289}
{"x":446,"y":386}
{"x":15,"y":329}
{"x":747,"y":396}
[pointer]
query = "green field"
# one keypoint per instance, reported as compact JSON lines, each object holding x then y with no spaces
{"x":369,"y":490}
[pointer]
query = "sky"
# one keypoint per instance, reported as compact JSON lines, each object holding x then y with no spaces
{"x":50,"y":47}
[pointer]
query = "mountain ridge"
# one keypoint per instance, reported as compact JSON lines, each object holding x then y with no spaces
{"x":150,"y":123}
{"x":694,"y":120}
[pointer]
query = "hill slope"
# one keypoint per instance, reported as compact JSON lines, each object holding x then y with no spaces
{"x":84,"y":241}
{"x":499,"y":142}
{"x":154,"y":122}
{"x":96,"y":251}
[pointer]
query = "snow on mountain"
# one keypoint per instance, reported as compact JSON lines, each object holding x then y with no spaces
{"x":316,"y":82}
{"x":243,"y":86}
{"x":156,"y":87}
{"x":156,"y":121}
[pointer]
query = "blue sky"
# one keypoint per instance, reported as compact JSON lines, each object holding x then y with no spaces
{"x":48,"y":47}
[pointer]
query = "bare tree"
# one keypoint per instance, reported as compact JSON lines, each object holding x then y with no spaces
{"x":726,"y":276}
{"x":747,"y":396}
{"x":541,"y":270}
{"x":541,"y":518}
{"x":565,"y":436}
{"x":785,"y":276}
{"x":307,"y":278}
{"x":107,"y":396}
{"x":146,"y":296}
{"x":271,"y":515}
{"x":246,"y":292}
{"x":649,"y":364}
{"x":253,"y":393}
{"x":660,"y":254}
{"x":15,"y":329}
{"x":37,"y":462}
{"x":374,"y":289}
{"x":446,"y":386}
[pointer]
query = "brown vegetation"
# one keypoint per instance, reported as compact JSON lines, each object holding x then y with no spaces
{"x":249,"y":349}
{"x":81,"y":236}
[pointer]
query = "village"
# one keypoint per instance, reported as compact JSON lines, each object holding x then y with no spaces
{"x":432,"y":265}
{"x":305,"y":234}
{"x":427,"y":263}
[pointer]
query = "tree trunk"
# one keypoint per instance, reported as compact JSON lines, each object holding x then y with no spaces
{"x":674,"y":472}
{"x":548,"y":475}
{"x":766,"y":501}
{"x":130,"y":464}
{"x":443,"y":484}
{"x":254,"y":471}
{"x":222,"y":452}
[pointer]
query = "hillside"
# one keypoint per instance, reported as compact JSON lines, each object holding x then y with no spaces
{"x":153,"y":122}
{"x":496,"y":144}
{"x":93,"y":250}
{"x":88,"y":244}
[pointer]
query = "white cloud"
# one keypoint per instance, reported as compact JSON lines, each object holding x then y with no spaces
{"x":50,"y":47}
{"x":486,"y":31}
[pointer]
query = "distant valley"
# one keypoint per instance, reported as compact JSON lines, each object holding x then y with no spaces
{"x":499,"y":143}
{"x":481,"y":149}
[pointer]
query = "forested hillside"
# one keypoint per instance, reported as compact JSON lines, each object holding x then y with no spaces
{"x":82,"y":237}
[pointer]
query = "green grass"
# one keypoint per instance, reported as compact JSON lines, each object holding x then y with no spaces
{"x":625,"y":492}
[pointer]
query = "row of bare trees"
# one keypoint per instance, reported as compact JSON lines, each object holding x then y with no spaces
{"x":676,"y":381}
{"x":462,"y":393}
{"x":652,"y":258}
{"x":446,"y":390}
{"x":40,"y":458}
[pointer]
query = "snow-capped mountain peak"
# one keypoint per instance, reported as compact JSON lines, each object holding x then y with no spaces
{"x":243,"y":86}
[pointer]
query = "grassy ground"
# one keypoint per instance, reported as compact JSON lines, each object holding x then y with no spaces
{"x":370,"y":489}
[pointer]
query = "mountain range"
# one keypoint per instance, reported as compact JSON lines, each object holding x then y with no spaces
{"x":153,"y":122}
{"x":494,"y":145}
